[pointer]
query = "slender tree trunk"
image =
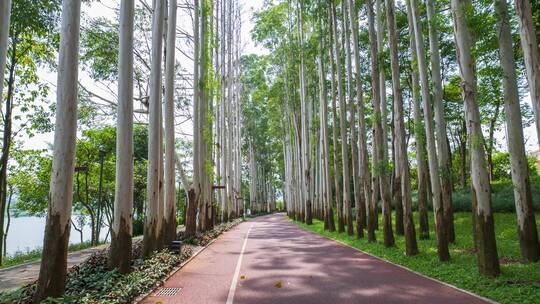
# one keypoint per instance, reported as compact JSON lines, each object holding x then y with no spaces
{"x":440,"y":123}
{"x":440,"y":230}
{"x":351,"y":107}
{"x":325,"y":169}
{"x":380,"y":164}
{"x":531,"y":55}
{"x":527,"y":232}
{"x":343,"y":127}
{"x":419,"y":134}
{"x":191,"y":222}
{"x":170,"y":177}
{"x":411,"y":247}
{"x":488,"y":260}
{"x":337,"y":182}
{"x":52,"y":273}
{"x":367,"y":213}
{"x":152,"y":220}
{"x":120,"y":250}
{"x":7,"y":138}
{"x":304,"y":123}
{"x":5,"y":13}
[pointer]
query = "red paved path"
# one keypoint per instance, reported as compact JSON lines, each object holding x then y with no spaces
{"x":284,"y":264}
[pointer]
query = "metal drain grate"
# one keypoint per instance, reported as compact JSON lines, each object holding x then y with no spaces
{"x":168,"y":292}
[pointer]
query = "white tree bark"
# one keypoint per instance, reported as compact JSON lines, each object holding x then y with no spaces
{"x":168,"y":113}
{"x":325,"y":169}
{"x":120,"y":250}
{"x":337,"y":180}
{"x":352,"y":123}
{"x":365,"y":181}
{"x":488,"y":261}
{"x":399,"y":126}
{"x":442,"y":242}
{"x":440,"y":122}
{"x":347,"y":209}
{"x":152,"y":225}
{"x":379,"y":18}
{"x":531,"y":55}
{"x":527,"y":232}
{"x":419,"y":133}
{"x":305,"y":142}
{"x":5,"y":13}
{"x":52,"y":273}
{"x":379,"y":159}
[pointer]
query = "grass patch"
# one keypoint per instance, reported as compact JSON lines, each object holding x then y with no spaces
{"x":518,"y":283}
{"x":22,"y":257}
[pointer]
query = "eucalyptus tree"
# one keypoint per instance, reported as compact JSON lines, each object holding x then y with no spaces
{"x":5,"y":14}
{"x":191,"y":220}
{"x":531,"y":55}
{"x":325,"y":164}
{"x":440,"y":122}
{"x":153,"y":218}
{"x":488,"y":260}
{"x":527,"y":232}
{"x":411,"y":246}
{"x":169,"y":228}
{"x":347,"y":204}
{"x":442,"y":240}
{"x":305,"y":138}
{"x":419,"y":134}
{"x":337,"y":181}
{"x":367,"y":212}
{"x":53,"y":269}
{"x":120,"y":250}
{"x":380,"y":163}
{"x":354,"y":132}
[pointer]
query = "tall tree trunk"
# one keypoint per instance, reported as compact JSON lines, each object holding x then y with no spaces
{"x":527,"y":232}
{"x":191,"y":223}
{"x":337,"y":181}
{"x":120,"y":250}
{"x":5,"y":13}
{"x":325,"y":169}
{"x":152,"y":220}
{"x":440,"y":123}
{"x":440,"y":230}
{"x":380,"y":163}
{"x":306,"y":147}
{"x":531,"y":55}
{"x":419,"y":134}
{"x":488,"y":261}
{"x":411,"y":247}
{"x":343,"y":127}
{"x":168,"y":113}
{"x":354,"y":141}
{"x":367,"y":213}
{"x":52,"y":273}
{"x":7,"y":137}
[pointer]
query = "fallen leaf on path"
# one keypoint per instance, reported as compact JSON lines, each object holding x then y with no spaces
{"x":278,"y":284}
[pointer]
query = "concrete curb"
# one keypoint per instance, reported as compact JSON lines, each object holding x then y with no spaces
{"x":402,"y":267}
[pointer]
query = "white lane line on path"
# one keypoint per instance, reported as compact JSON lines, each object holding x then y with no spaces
{"x":234,"y":282}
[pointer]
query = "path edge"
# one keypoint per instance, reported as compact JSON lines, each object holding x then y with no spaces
{"x":402,"y":267}
{"x":175,"y":270}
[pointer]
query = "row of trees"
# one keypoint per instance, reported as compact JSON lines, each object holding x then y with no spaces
{"x":215,"y":191}
{"x":348,"y":56}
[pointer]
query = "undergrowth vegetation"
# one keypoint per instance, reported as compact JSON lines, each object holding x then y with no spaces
{"x":92,"y":282}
